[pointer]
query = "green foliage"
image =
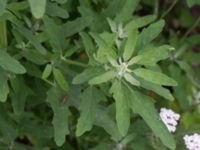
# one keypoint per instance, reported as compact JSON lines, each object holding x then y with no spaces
{"x":88,"y":108}
{"x":122,"y":107}
{"x":192,"y":2}
{"x":2,"y":6}
{"x":19,"y":94}
{"x":130,"y":45}
{"x":10,"y":64}
{"x":102,"y":78}
{"x":47,"y":71}
{"x":4,"y":88}
{"x":142,"y":105}
{"x":58,"y":76}
{"x":155,"y":77}
{"x":38,"y":8}
{"x":27,"y":34}
{"x":61,"y":114}
{"x":92,"y":75}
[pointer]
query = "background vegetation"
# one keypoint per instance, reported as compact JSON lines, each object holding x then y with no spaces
{"x":55,"y":94}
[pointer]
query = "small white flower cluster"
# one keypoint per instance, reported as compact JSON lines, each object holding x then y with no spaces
{"x":122,"y":68}
{"x":170,"y":118}
{"x":192,"y":142}
{"x":119,"y":30}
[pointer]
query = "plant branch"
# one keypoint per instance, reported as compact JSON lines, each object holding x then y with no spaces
{"x":190,"y":29}
{"x":72,"y":62}
{"x":156,"y":4}
{"x":169,"y":9}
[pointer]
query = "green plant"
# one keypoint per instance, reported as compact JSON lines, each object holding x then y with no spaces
{"x":92,"y":75}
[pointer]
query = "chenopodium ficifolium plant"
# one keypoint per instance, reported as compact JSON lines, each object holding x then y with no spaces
{"x":127,"y":62}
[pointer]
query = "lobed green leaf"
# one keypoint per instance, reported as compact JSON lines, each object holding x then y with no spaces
{"x":103,"y":77}
{"x":154,"y":77}
{"x":9,"y":63}
{"x":88,"y":108}
{"x":150,"y":33}
{"x":130,"y":45}
{"x":4,"y":89}
{"x":2,"y":6}
{"x":38,"y":8}
{"x":122,"y":107}
{"x":142,"y":105}
{"x":61,"y":114}
{"x":58,"y":76}
{"x":87,"y":74}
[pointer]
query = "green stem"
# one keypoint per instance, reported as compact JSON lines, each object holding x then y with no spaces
{"x":156,"y":4}
{"x":190,"y":29}
{"x":128,"y":139}
{"x":3,"y":34}
{"x":49,"y":82}
{"x":72,"y":62}
{"x":182,"y":50}
{"x":169,"y":9}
